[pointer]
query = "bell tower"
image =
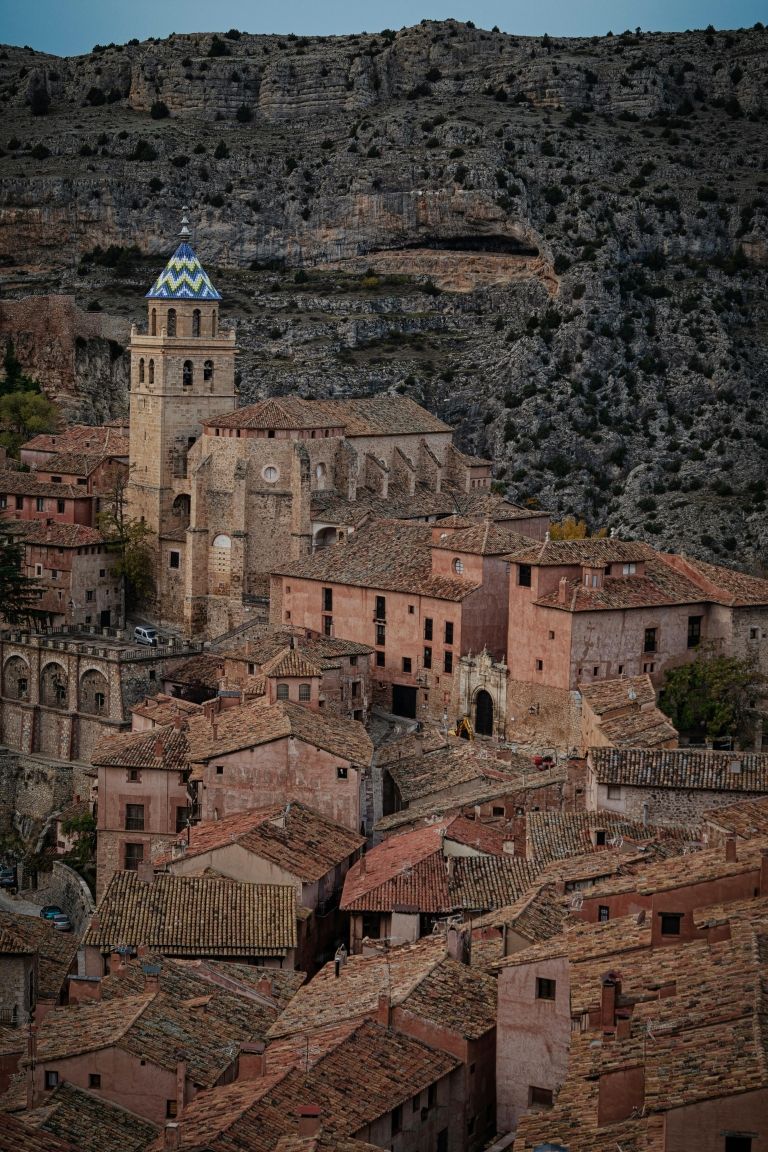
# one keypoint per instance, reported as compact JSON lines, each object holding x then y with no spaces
{"x":182,"y":373}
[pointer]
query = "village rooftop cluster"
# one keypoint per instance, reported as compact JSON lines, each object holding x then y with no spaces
{"x":394,"y":846}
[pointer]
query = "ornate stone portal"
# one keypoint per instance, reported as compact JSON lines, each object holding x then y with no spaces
{"x":482,"y":694}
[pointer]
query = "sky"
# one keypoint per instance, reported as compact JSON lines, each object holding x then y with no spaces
{"x":71,"y":27}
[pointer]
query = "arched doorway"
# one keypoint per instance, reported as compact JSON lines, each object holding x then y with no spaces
{"x":484,"y":713}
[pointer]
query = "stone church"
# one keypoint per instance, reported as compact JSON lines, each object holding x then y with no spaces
{"x":232,"y":492}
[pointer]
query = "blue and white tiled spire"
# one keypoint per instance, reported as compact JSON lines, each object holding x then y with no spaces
{"x":183,"y":277}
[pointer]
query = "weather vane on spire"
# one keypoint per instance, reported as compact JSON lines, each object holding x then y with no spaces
{"x":185,"y":232}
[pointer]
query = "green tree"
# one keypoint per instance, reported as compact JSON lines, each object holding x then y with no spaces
{"x":715,"y":695}
{"x":15,"y":379}
{"x":82,"y":827}
{"x":129,"y":539}
{"x":18,"y":594}
{"x":23,"y":415}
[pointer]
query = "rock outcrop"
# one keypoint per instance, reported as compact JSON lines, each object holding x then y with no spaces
{"x":559,"y":245}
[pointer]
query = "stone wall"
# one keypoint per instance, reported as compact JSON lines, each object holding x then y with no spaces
{"x":665,"y":805}
{"x":64,"y":887}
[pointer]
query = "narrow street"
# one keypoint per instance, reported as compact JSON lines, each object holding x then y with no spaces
{"x":14,"y":904}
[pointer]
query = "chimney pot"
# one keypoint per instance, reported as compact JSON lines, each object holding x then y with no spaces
{"x":384,"y":1013}
{"x":264,"y":986}
{"x":309,"y":1120}
{"x":251,"y":1063}
{"x":171,"y":1135}
{"x":730,"y":847}
{"x":562,"y":590}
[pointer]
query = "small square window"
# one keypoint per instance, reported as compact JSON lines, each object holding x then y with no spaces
{"x":406,"y":664}
{"x":449,"y":632}
{"x":427,"y":657}
{"x":89,"y":595}
{"x":670,"y":923}
{"x":539,"y":1097}
{"x":448,"y":662}
{"x":754,"y":633}
{"x":551,"y":634}
{"x":545,"y":988}
{"x":621,"y":669}
{"x":603,"y":913}
{"x":174,"y":560}
{"x":600,"y":837}
{"x":133,"y":776}
{"x":498,"y":810}
{"x":411,"y":609}
{"x":539,"y":665}
{"x":102,"y":573}
{"x":170,"y":1109}
{"x":427,"y":627}
{"x":94,"y":1080}
{"x":380,"y":659}
{"x":342,"y":772}
{"x":524,"y":575}
{"x":219,"y":769}
{"x":353,"y":661}
{"x":51,"y":1079}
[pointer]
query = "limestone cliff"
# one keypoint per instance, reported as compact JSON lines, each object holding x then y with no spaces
{"x":559,"y":245}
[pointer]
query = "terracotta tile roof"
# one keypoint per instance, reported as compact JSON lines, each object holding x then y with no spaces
{"x":438,"y":771}
{"x":253,"y":1116}
{"x":649,"y":728}
{"x":418,"y":977}
{"x":16,"y":1136}
{"x":368,"y":416}
{"x":90,"y":1122}
{"x":485,"y":539}
{"x":606,"y":696}
{"x":74,"y":463}
{"x":660,"y":585}
{"x":592,"y":551}
{"x":101,"y":438}
{"x":291,"y":836}
{"x":164,"y":747}
{"x":196,"y":916}
{"x":485,"y":836}
{"x":291,"y":662}
{"x":73,"y":1030}
{"x":405,"y":870}
{"x":331,"y":507}
{"x":745,"y":818}
{"x":204,"y":668}
{"x":484,"y":882}
{"x":28,"y":484}
{"x":538,"y":914}
{"x":412,"y":744}
{"x":61,"y":535}
{"x":393,"y":556}
{"x":679,"y":871}
{"x":687,"y":768}
{"x":164,"y":709}
{"x":262,"y":643}
{"x":725,"y":585}
{"x":553,"y":835}
{"x":23,"y":935}
{"x":261,"y":722}
{"x":323,"y":1142}
{"x":467,"y":796}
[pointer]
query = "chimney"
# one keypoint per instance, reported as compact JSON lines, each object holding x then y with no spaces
{"x":362,"y":864}
{"x":251,"y":1064}
{"x":764,"y":871}
{"x":264,"y":987}
{"x":458,"y":943}
{"x":309,"y":1120}
{"x":181,"y":1086}
{"x":151,"y":982}
{"x":611,"y":988}
{"x":159,"y":748}
{"x":562,"y":590}
{"x":116,"y":964}
{"x":384,"y":1012}
{"x":730,"y":848}
{"x":451,"y":866}
{"x":171,"y":1135}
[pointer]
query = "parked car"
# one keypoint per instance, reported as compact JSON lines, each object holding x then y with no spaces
{"x":50,"y":911}
{"x":62,"y":922}
{"x":7,"y":877}
{"x":142,"y":635}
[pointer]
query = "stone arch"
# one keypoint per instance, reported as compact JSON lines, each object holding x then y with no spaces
{"x":208,"y":370}
{"x":220,"y":565}
{"x":141,"y":370}
{"x":151,"y":372}
{"x":16,"y":678}
{"x":54,"y":686}
{"x":181,"y":508}
{"x":94,"y":693}
{"x":483,"y":713}
{"x":324,"y":538}
{"x":196,"y":322}
{"x":153,"y":322}
{"x":170,"y":322}
{"x":187,"y":374}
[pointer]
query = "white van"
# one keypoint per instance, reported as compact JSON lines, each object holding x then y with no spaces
{"x":146,"y":636}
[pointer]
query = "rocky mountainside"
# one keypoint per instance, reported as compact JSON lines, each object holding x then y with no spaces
{"x":558,"y":245}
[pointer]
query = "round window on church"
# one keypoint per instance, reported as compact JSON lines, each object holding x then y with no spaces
{"x":270,"y":473}
{"x":458,"y":566}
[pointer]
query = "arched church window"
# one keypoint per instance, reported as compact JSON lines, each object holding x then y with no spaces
{"x":153,"y":322}
{"x":171,"y":322}
{"x":186,"y":375}
{"x":196,"y":322}
{"x":141,"y":370}
{"x":208,"y":370}
{"x":151,"y":371}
